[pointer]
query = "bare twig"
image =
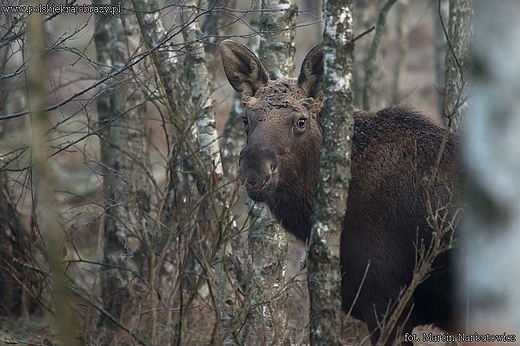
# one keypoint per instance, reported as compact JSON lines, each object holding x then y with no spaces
{"x":369,"y":68}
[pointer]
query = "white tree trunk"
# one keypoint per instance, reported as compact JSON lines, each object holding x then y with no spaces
{"x":126,"y":187}
{"x":490,"y":262}
{"x":266,"y":323}
{"x":326,"y":316}
{"x":211,"y":213}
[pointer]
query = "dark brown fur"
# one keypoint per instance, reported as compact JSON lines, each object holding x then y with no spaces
{"x":393,"y":150}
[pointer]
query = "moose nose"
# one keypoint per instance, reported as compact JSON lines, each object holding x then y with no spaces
{"x":257,"y":168}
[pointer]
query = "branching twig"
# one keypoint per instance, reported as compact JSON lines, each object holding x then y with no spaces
{"x":441,"y":228}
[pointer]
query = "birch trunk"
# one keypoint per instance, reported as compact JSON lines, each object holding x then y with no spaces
{"x":490,"y":262}
{"x":278,"y":28}
{"x":217,"y":19}
{"x":126,"y":186}
{"x":213,"y":214}
{"x":326,"y":316}
{"x":266,"y":323}
{"x":193,"y":244}
{"x":459,"y":37}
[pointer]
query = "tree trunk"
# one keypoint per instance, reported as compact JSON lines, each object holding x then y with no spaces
{"x":46,"y":213}
{"x":212,"y":217}
{"x":21,"y":279}
{"x":459,"y":37}
{"x":399,"y":77}
{"x":195,"y":218}
{"x":217,"y":18}
{"x":126,"y":186}
{"x":370,"y":99}
{"x":266,"y":323}
{"x":278,"y":28}
{"x":326,"y":316}
{"x":365,"y":17}
{"x":490,"y":262}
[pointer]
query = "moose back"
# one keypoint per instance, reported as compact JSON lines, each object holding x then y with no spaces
{"x":394,"y":149}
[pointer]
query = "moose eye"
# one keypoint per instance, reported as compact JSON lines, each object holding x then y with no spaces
{"x":301,"y":122}
{"x":244,"y":119}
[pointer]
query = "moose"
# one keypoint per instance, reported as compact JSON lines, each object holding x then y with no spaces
{"x":386,"y":220}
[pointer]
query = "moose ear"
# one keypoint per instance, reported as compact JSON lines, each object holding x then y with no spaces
{"x":311,"y":75}
{"x":243,"y":69}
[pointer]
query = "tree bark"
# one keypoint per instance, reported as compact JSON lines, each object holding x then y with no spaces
{"x":46,"y":212}
{"x":459,"y":36}
{"x":369,"y":102}
{"x":211,"y":214}
{"x":326,"y":316}
{"x":278,"y":28}
{"x":399,"y":77}
{"x":217,"y":18}
{"x":21,"y":278}
{"x":198,"y":245}
{"x":266,"y":323}
{"x":491,"y":235}
{"x":126,"y":186}
{"x":365,"y":17}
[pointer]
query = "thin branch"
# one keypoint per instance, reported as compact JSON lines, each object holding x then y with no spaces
{"x":369,"y":68}
{"x":363,"y":34}
{"x":137,"y":60}
{"x":426,"y":257}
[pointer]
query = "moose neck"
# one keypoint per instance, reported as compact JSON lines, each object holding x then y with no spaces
{"x":292,"y":205}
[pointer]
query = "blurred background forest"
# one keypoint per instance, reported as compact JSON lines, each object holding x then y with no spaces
{"x":140,"y":137}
